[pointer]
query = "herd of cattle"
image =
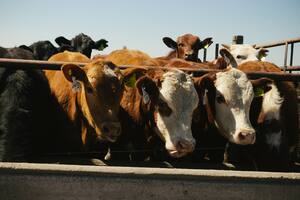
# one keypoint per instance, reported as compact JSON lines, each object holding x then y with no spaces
{"x":139,"y":113}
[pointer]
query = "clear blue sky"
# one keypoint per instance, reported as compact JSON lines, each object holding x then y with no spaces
{"x":140,"y":24}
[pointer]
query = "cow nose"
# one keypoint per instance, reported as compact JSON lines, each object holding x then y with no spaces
{"x":111,"y":130}
{"x":182,"y":147}
{"x":246,"y":137}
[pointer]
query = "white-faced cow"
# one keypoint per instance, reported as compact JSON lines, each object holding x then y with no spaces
{"x":246,"y":52}
{"x":225,"y":99}
{"x":274,"y":116}
{"x":186,"y":47}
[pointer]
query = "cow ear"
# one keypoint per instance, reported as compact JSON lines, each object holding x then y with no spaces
{"x":115,"y":68}
{"x":261,"y":53}
{"x":130,"y":76}
{"x":101,"y":44}
{"x":148,"y":89}
{"x":206,"y":43}
{"x":170,"y":43}
{"x":261,"y":86}
{"x":72,"y":71}
{"x":226,"y":46}
{"x":65,"y":47}
{"x":62,"y":41}
{"x":26,"y":48}
{"x":207,"y":93}
{"x":229,"y":59}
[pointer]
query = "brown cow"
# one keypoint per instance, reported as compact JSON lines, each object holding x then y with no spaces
{"x":274,"y":116}
{"x":90,"y":96}
{"x":160,"y":106}
{"x":133,"y":57}
{"x":186,"y":47}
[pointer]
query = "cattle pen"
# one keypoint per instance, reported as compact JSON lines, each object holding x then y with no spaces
{"x":109,"y":180}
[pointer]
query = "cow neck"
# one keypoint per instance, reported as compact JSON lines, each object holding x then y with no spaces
{"x":80,"y":121}
{"x":148,"y":115}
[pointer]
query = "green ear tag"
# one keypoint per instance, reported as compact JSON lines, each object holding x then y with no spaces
{"x":259,"y":92}
{"x":131,"y":81}
{"x":101,"y":47}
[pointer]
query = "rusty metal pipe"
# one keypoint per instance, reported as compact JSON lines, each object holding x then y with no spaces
{"x":275,"y":44}
{"x":33,"y":64}
{"x":46,"y":65}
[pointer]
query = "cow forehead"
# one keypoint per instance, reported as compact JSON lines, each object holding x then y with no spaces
{"x":188,"y":38}
{"x":234,"y":84}
{"x":98,"y":70}
{"x":244,"y":49}
{"x":178,"y":90}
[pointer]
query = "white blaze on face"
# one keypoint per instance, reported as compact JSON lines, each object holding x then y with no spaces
{"x":243,"y":53}
{"x":108,"y":71}
{"x":272,"y":102}
{"x":178,"y":92}
{"x":233,"y":100}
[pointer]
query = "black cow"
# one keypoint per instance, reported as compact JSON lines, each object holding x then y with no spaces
{"x":82,"y":43}
{"x":43,"y":50}
{"x":27,"y":116}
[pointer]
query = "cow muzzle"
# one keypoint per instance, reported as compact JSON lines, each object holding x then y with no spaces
{"x":111,"y":130}
{"x":181,"y":147}
{"x":245,"y":137}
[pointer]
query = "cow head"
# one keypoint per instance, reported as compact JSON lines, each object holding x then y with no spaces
{"x":187,"y":46}
{"x":246,"y":52}
{"x":82,"y":43}
{"x":174,"y":109}
{"x":42,"y":50}
{"x":99,"y":91}
{"x":234,"y":94}
{"x":172,"y":98}
{"x":230,"y":102}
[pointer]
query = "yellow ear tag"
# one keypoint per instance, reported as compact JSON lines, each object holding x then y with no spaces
{"x":259,"y":92}
{"x":261,"y":57}
{"x":131,"y":81}
{"x":70,"y":72}
{"x":206,"y":46}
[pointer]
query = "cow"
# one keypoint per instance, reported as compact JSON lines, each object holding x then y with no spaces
{"x":223,"y":111}
{"x":58,"y":111}
{"x":156,"y":110}
{"x":27,"y":120}
{"x":161,"y":79}
{"x":90,"y":96}
{"x":82,"y":43}
{"x":246,"y":52}
{"x":186,"y":47}
{"x":43,"y":50}
{"x":274,"y":116}
{"x":132,"y":57}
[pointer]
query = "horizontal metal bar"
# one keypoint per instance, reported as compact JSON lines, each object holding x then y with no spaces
{"x":46,"y":65}
{"x":292,"y":68}
{"x":275,"y":44}
{"x":33,"y":64}
{"x":276,"y":76}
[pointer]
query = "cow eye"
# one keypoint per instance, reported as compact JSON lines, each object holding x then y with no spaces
{"x":241,"y":57}
{"x":163,"y":108}
{"x":220,"y":99}
{"x":180,"y":44}
{"x":89,"y":90}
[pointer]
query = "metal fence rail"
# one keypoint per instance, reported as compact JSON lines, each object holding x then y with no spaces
{"x":46,"y":65}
